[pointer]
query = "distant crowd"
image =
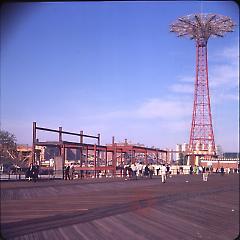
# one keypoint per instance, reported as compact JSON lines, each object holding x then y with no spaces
{"x":130,"y":171}
{"x":136,"y":171}
{"x":139,"y":170}
{"x":222,"y":170}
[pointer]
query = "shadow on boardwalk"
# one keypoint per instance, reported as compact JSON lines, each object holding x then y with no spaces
{"x":183,"y":208}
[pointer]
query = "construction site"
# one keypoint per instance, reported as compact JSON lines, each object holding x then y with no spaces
{"x":110,"y":159}
{"x":102,"y":200}
{"x":97,"y":160}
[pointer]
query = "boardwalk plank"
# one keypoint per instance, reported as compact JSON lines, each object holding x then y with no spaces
{"x":183,"y":208}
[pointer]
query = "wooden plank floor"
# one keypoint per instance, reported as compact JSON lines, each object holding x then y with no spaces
{"x":183,"y":208}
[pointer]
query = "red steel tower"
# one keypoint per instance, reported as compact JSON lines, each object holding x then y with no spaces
{"x":201,"y":27}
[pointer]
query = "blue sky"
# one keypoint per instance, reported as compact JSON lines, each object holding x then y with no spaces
{"x":113,"y":68}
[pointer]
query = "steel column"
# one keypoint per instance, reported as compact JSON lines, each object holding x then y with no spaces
{"x":34,"y":136}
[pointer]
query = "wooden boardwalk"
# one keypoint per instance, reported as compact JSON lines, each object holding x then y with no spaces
{"x":183,"y":208}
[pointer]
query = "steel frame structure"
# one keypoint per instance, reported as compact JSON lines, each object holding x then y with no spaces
{"x":110,"y":163}
{"x":120,"y":151}
{"x":201,"y":27}
{"x":64,"y":145}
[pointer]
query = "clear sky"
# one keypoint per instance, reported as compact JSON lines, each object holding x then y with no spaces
{"x":113,"y":68}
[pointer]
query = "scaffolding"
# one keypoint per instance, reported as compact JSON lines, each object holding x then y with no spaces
{"x":95,"y":158}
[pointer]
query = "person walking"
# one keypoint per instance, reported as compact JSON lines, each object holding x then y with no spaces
{"x":140,"y":169}
{"x":151,"y":170}
{"x":195,"y":169}
{"x":158,"y":168}
{"x":134,"y":170}
{"x":67,"y":176}
{"x":191,"y":170}
{"x":163,"y":173}
{"x":146,"y":170}
{"x":29,"y":172}
{"x":167,"y":171}
{"x":35,"y":172}
{"x":130,"y":172}
{"x":71,"y":171}
{"x":222,"y":171}
{"x":205,"y":174}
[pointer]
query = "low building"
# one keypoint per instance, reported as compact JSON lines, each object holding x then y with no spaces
{"x":229,"y":160}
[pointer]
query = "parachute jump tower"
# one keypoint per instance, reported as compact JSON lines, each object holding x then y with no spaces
{"x":201,"y":27}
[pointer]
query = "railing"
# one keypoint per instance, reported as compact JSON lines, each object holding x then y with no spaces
{"x":79,"y":174}
{"x":86,"y":174}
{"x":20,"y":175}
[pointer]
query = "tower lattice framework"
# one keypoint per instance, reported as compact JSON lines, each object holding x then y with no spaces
{"x":201,"y":128}
{"x":201,"y":27}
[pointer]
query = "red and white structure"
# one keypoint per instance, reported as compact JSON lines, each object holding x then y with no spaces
{"x":201,"y":27}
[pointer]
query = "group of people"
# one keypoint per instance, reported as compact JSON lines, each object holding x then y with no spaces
{"x":69,"y":172}
{"x":32,"y":172}
{"x":199,"y":169}
{"x":138,"y":169}
{"x":227,"y":170}
{"x":135,"y":170}
{"x":206,"y":171}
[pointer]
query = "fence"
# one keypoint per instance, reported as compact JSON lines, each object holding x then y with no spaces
{"x":21,"y":175}
{"x":86,"y":174}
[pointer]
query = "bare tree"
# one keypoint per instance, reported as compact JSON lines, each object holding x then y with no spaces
{"x":8,"y":146}
{"x":7,"y":140}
